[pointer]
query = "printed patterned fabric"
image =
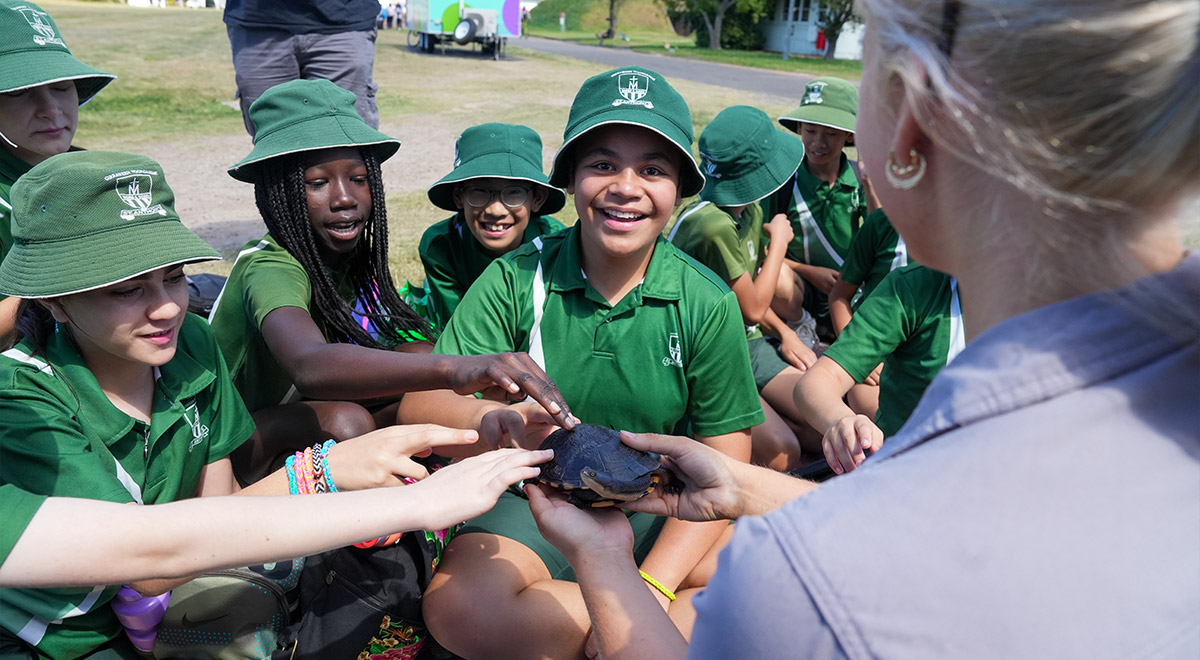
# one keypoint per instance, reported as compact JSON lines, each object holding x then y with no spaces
{"x":396,"y":640}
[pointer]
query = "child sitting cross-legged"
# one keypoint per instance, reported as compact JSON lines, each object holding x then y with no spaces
{"x":637,"y":335}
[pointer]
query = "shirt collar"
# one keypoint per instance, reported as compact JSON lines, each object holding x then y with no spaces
{"x":11,"y":168}
{"x":1041,"y":354}
{"x":664,"y":273}
{"x":845,"y":177}
{"x":180,"y":378}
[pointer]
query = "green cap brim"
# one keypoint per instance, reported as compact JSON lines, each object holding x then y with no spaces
{"x":497,"y":165}
{"x":42,"y":67}
{"x":821,"y":116}
{"x":45,"y":269}
{"x":691,"y":179}
{"x":337,"y":131}
{"x":782,"y":163}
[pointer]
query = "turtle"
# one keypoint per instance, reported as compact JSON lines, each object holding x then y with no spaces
{"x":596,"y":469}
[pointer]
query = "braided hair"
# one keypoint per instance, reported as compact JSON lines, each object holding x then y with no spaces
{"x":282,"y":200}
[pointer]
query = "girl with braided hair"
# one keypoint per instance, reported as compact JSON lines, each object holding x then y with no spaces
{"x":307,"y":369}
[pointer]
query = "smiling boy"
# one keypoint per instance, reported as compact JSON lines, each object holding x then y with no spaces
{"x":501,"y":200}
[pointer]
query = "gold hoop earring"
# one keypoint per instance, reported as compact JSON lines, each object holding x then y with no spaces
{"x":907,"y":177}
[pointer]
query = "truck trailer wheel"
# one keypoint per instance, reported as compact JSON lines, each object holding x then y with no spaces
{"x":465,"y":31}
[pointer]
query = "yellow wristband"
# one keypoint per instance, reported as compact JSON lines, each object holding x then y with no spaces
{"x":658,"y":585}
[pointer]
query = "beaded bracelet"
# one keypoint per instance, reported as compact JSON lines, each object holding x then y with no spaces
{"x":658,"y":585}
{"x":327,"y":475}
{"x":289,"y":467}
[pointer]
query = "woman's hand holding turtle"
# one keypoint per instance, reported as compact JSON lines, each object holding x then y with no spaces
{"x":383,"y":457}
{"x":509,"y":377}
{"x":471,"y":486}
{"x":711,"y":490}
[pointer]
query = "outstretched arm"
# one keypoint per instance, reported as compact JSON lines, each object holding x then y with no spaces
{"x":108,"y":543}
{"x":322,"y":370}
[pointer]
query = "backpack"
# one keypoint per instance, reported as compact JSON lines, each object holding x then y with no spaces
{"x":203,"y":290}
{"x":360,"y":602}
{"x":235,"y":614}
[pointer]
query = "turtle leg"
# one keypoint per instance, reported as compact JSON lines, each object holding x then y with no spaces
{"x":589,"y":477}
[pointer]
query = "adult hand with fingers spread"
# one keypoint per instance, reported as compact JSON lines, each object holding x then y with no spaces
{"x":846,"y":442}
{"x":509,"y":377}
{"x":470,"y":487}
{"x":383,"y":457}
{"x":715,"y":486}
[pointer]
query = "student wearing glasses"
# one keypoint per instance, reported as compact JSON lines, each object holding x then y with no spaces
{"x":501,"y":200}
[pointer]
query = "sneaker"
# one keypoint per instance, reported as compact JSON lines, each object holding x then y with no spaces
{"x":805,"y":329}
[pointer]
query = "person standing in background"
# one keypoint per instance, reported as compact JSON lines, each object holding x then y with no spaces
{"x":275,"y":41}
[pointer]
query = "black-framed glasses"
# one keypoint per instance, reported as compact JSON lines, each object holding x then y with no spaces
{"x":510,"y":196}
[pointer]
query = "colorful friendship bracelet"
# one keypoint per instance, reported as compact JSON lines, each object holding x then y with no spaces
{"x":328,"y":476}
{"x":658,"y":585}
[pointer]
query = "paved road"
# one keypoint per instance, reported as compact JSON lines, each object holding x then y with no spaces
{"x":774,"y":83}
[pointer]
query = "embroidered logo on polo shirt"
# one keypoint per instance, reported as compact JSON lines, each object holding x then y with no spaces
{"x":36,"y":21}
{"x":752,"y":250}
{"x":675,"y":350}
{"x":136,"y":189}
{"x":199,"y":430}
{"x":633,"y":85}
{"x":812,"y":93}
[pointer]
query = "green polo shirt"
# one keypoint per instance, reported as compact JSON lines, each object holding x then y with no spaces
{"x":824,"y":218}
{"x":265,"y":277}
{"x":649,"y":364}
{"x":729,"y":246}
{"x":61,"y":436}
{"x":875,"y":251}
{"x":912,"y":323}
{"x":453,"y":259}
{"x":17,"y":508}
{"x":11,"y":168}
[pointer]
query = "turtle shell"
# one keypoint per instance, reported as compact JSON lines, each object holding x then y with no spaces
{"x":596,"y":469}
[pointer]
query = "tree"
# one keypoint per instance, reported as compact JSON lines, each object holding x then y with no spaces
{"x":834,"y":17}
{"x":614,"y":6}
{"x":709,"y":15}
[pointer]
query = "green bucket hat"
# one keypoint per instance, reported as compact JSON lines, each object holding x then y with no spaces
{"x":630,"y":95}
{"x":504,"y":151}
{"x":307,"y":115}
{"x":745,"y":157}
{"x":831,"y":102}
{"x":32,"y":53}
{"x":87,"y":219}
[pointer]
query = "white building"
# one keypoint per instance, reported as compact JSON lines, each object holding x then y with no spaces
{"x":798,"y":18}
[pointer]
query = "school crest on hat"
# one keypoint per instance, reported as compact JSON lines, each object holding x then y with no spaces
{"x":812,"y":93}
{"x":633,"y":86}
{"x":136,"y":189}
{"x":37,"y":20}
{"x":710,"y":166}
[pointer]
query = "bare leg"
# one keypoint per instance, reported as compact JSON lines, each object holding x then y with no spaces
{"x":492,"y":597}
{"x":864,"y":399}
{"x":282,"y":430}
{"x":788,"y":302}
{"x":772,"y":443}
